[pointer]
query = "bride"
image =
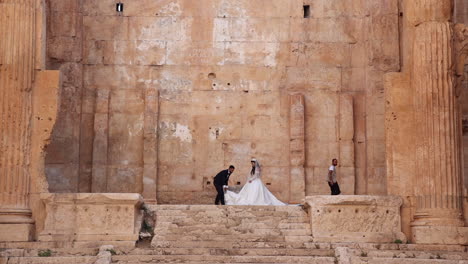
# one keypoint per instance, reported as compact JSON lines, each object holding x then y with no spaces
{"x":254,"y":191}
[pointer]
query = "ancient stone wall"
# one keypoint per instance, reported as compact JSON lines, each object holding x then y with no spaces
{"x":423,"y":123}
{"x":460,"y":11}
{"x":64,"y":54}
{"x":461,"y":16}
{"x":28,"y":106}
{"x":159,"y":98}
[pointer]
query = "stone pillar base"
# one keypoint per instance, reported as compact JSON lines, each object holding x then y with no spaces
{"x":355,"y":218}
{"x":16,"y":232}
{"x":443,"y":235}
{"x":91,"y":217}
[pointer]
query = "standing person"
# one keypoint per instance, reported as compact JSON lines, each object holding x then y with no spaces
{"x":331,"y":179}
{"x":220,"y":180}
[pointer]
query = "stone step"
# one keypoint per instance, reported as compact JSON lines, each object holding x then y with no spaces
{"x":365,"y":247}
{"x":181,"y":219}
{"x":397,"y":247}
{"x":231,"y":211}
{"x":224,"y":214}
{"x":442,"y":248}
{"x":236,"y":251}
{"x":237,"y":224}
{"x":52,"y":260}
{"x":134,"y":259}
{"x":231,"y":231}
{"x":227,"y":244}
{"x":361,"y":260}
{"x":55,"y":252}
{"x":228,"y":238}
{"x":417,"y":254}
{"x":233,"y":208}
{"x":68,"y":252}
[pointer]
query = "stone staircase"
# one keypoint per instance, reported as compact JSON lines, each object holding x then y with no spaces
{"x":264,"y":234}
{"x":229,"y":234}
{"x":39,"y":253}
{"x":241,"y":234}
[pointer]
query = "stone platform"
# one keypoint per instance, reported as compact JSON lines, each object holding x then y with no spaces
{"x":355,"y":218}
{"x":233,"y":234}
{"x":236,"y":234}
{"x":91,"y":219}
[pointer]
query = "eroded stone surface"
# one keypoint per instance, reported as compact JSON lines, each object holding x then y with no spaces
{"x":347,"y":218}
{"x":236,"y":234}
{"x":174,"y":91}
{"x":424,"y":160}
{"x":27,"y":113}
{"x":87,"y":217}
{"x":158,"y":99}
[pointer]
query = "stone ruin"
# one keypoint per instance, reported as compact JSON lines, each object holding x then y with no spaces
{"x":114,"y":118}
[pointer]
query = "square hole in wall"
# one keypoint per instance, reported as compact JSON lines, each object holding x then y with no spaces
{"x":119,"y":7}
{"x":306,"y":11}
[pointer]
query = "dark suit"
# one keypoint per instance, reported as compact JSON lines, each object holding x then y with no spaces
{"x":222,"y":178}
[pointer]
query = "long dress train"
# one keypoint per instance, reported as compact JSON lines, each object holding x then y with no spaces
{"x":253,"y":192}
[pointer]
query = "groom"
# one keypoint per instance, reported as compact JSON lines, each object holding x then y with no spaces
{"x":220,"y":180}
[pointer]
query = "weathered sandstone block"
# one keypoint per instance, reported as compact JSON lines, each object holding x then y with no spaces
{"x":87,"y":217}
{"x":438,"y":170}
{"x":361,"y":218}
{"x":27,"y":113}
{"x":443,"y":235}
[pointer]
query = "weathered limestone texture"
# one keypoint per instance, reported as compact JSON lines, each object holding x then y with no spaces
{"x":400,"y":144}
{"x":104,"y":256}
{"x":21,"y":54}
{"x":461,"y":57}
{"x":236,"y":234}
{"x":170,"y":92}
{"x":423,"y":126}
{"x":442,"y":235}
{"x":45,"y":105}
{"x":92,"y":217}
{"x":461,"y":11}
{"x":461,"y":45}
{"x":360,"y":218}
{"x":346,"y":143}
{"x":438,"y":186}
{"x":17,"y":65}
{"x":296,"y":148}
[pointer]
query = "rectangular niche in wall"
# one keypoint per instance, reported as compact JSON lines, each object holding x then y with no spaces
{"x":306,"y":11}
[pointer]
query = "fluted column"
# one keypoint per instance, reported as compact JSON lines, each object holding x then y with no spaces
{"x":438,"y":188}
{"x":17,"y":48}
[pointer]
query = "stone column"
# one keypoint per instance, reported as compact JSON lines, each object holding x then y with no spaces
{"x":17,"y":58}
{"x":438,"y":186}
{"x":296,"y":148}
{"x":423,"y":126}
{"x":101,"y":142}
{"x":150,"y":147}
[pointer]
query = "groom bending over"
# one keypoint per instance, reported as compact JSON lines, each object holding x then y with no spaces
{"x":220,"y":180}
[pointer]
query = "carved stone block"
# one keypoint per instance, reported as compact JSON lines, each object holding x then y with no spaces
{"x":91,"y":217}
{"x":355,"y":218}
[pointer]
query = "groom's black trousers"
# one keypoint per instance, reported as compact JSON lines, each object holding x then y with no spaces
{"x":220,"y":196}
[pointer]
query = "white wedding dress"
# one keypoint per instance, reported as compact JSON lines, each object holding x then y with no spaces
{"x":253,"y":192}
